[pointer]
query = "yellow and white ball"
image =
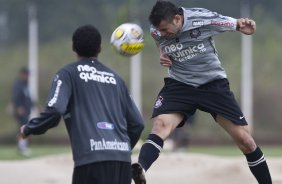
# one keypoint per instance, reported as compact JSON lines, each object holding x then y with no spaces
{"x":127,"y":39}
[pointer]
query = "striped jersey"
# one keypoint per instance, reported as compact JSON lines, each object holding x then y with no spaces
{"x":192,"y":51}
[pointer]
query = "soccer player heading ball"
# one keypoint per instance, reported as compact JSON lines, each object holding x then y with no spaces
{"x":196,"y":81}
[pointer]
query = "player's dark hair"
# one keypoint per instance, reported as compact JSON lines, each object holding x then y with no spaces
{"x":24,"y":70}
{"x":86,"y":41}
{"x":163,"y":10}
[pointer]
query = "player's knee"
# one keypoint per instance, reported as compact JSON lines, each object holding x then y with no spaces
{"x":160,"y":125}
{"x":247,"y":144}
{"x":161,"y":128}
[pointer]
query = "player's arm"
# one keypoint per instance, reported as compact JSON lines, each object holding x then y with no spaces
{"x":246,"y":26}
{"x":164,"y":58}
{"x":221,"y":23}
{"x":56,"y":106}
{"x":47,"y":119}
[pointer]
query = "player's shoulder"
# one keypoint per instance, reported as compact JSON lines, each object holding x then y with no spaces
{"x":65,"y":71}
{"x":80,"y":65}
{"x":67,"y":67}
{"x":198,"y":12}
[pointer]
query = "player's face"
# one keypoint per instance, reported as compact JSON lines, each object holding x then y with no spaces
{"x":169,"y":29}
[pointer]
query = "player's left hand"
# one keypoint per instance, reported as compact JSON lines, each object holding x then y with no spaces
{"x":246,"y":26}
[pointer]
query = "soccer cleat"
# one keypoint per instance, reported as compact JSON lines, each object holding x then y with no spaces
{"x":138,"y":174}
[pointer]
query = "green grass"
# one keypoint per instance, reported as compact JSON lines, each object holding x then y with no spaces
{"x":11,"y":152}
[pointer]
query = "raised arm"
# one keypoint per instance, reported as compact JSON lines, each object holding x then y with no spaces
{"x":246,"y":26}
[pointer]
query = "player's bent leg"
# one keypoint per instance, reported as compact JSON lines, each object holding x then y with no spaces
{"x":163,"y":125}
{"x":242,"y":137}
{"x":240,"y":134}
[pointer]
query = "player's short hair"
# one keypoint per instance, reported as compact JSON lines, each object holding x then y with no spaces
{"x":24,"y":70}
{"x":163,"y":10}
{"x":86,"y":41}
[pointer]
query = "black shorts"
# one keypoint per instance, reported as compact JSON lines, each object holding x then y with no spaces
{"x":214,"y":97}
{"x":107,"y":172}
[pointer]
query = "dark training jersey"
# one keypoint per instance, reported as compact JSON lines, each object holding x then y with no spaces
{"x":102,"y":120}
{"x":21,"y":99}
{"x":192,"y":51}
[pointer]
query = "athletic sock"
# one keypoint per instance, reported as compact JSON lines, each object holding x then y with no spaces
{"x":150,"y":151}
{"x":258,"y":166}
{"x":22,"y":144}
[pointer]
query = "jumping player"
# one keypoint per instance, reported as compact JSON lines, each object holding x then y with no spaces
{"x":196,"y":81}
{"x":102,"y":120}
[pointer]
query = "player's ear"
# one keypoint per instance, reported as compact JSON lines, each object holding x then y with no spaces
{"x":99,"y":50}
{"x":177,"y":19}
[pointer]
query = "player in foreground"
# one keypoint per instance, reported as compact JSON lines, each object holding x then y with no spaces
{"x":196,"y":81}
{"x":103,"y":122}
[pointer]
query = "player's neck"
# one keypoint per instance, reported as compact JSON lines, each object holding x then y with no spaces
{"x":86,"y":58}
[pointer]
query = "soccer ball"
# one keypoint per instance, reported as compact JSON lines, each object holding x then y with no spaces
{"x":127,"y":39}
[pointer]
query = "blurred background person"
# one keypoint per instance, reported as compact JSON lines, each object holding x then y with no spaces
{"x":22,"y":106}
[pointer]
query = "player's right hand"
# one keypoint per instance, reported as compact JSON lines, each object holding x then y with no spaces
{"x":246,"y":26}
{"x":165,"y":60}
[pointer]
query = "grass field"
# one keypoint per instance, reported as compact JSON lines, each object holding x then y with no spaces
{"x":10,"y":152}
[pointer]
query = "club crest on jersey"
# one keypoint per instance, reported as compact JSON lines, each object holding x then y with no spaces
{"x":195,"y":33}
{"x":159,"y":102}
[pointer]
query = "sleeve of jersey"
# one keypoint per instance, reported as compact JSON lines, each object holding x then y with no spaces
{"x":155,"y":33}
{"x":219,"y":23}
{"x":60,"y":92}
{"x":47,"y":119}
{"x":56,"y":106}
{"x":135,"y":123}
